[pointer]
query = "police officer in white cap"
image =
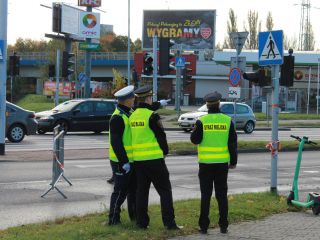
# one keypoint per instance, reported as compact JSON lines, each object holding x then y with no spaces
{"x":120,"y":154}
{"x":216,"y":138}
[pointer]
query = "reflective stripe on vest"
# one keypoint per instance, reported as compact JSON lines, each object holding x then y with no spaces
{"x":144,"y":143}
{"x":214,"y":145}
{"x":126,"y":138}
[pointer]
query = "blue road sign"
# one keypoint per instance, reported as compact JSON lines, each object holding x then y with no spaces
{"x":271,"y":48}
{"x":180,"y":62}
{"x":1,"y":50}
{"x":235,"y":77}
{"x":82,"y":78}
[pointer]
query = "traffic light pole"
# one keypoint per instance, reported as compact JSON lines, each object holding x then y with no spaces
{"x":275,"y":119}
{"x":155,"y":67}
{"x":3,"y":71}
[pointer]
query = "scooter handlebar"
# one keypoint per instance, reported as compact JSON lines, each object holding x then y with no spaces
{"x":296,"y":137}
{"x":314,"y":143}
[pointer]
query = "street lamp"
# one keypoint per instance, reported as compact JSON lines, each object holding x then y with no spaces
{"x":128,"y":42}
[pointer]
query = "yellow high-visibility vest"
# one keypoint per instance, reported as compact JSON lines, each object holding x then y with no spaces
{"x":144,"y":143}
{"x":214,"y":145}
{"x":126,"y":138}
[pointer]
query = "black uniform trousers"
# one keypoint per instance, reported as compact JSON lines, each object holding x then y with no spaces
{"x":124,"y":187}
{"x":155,"y":172}
{"x":216,"y":174}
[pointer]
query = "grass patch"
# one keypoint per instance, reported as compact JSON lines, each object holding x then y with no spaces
{"x":37,"y":103}
{"x":287,"y":116}
{"x":184,"y":148}
{"x":242,"y":207}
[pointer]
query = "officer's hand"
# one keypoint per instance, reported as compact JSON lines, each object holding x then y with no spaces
{"x":126,"y":167}
{"x":164,"y":102}
{"x":232,"y":166}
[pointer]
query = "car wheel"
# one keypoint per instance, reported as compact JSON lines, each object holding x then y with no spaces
{"x":16,"y":133}
{"x":41,"y":131}
{"x":187,"y":129}
{"x":249,"y":127}
{"x":63,"y":124}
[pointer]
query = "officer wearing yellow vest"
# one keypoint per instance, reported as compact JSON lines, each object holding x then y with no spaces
{"x":120,"y":154}
{"x":149,"y":146}
{"x":216,"y":138}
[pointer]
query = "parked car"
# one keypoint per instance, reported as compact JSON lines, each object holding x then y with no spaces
{"x":78,"y":115}
{"x":245,"y":118}
{"x":19,"y":122}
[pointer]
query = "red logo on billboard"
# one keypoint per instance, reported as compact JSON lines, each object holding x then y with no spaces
{"x":205,"y":32}
{"x":298,"y":75}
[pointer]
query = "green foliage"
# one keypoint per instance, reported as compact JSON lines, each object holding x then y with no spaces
{"x":36,"y":103}
{"x":288,"y":116}
{"x":242,"y":207}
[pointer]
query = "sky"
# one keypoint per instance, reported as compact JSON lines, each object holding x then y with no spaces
{"x":27,"y":19}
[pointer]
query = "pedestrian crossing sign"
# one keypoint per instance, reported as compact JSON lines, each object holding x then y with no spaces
{"x":271,"y":48}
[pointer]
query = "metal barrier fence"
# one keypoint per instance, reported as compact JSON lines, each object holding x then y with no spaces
{"x":58,"y":161}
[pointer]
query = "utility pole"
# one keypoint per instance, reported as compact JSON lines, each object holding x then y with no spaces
{"x":3,"y":71}
{"x":87,"y":61}
{"x":56,"y":99}
{"x":178,"y":87}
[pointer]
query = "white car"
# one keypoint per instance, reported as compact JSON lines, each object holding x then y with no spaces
{"x":245,"y":118}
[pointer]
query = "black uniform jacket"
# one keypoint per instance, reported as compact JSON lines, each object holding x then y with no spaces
{"x":156,"y":126}
{"x":117,"y":131}
{"x":197,"y":135}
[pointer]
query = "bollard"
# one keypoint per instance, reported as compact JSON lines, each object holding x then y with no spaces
{"x":58,"y":161}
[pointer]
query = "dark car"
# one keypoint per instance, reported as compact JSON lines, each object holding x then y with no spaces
{"x":19,"y":122}
{"x":78,"y":115}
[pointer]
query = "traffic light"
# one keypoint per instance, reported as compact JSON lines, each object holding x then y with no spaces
{"x":186,"y":77}
{"x":52,"y":70}
{"x":166,"y":64}
{"x":287,"y":71}
{"x":147,"y":64}
{"x":14,"y":65}
{"x":261,"y":77}
{"x":67,"y":64}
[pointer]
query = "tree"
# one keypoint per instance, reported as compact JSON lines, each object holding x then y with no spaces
{"x":309,"y":41}
{"x":269,"y":22}
{"x":120,"y":44}
{"x":290,"y":43}
{"x":254,"y":29}
{"x":231,"y":27}
{"x":137,"y":45}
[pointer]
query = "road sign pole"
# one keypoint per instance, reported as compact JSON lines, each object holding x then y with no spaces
{"x":155,"y":67}
{"x":87,"y":62}
{"x":275,"y":120}
{"x":56,"y":99}
{"x":3,"y":72}
{"x":178,"y":87}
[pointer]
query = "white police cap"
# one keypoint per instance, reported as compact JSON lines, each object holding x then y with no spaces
{"x":125,"y":93}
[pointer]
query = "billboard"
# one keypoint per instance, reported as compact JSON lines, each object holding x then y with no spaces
{"x":89,"y":3}
{"x":190,"y":29}
{"x":89,"y":25}
{"x":69,"y":19}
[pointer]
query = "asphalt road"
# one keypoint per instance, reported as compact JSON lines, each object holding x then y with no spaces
{"x":91,"y":141}
{"x":22,"y":183}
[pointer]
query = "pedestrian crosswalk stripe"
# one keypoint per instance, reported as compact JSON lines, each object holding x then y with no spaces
{"x":270,"y":50}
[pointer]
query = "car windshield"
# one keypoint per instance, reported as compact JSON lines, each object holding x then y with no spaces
{"x":203,"y":108}
{"x":66,"y":106}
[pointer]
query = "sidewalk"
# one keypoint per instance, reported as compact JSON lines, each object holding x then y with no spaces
{"x":287,"y":226}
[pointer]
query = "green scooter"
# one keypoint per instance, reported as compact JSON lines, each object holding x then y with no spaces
{"x":313,"y":199}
